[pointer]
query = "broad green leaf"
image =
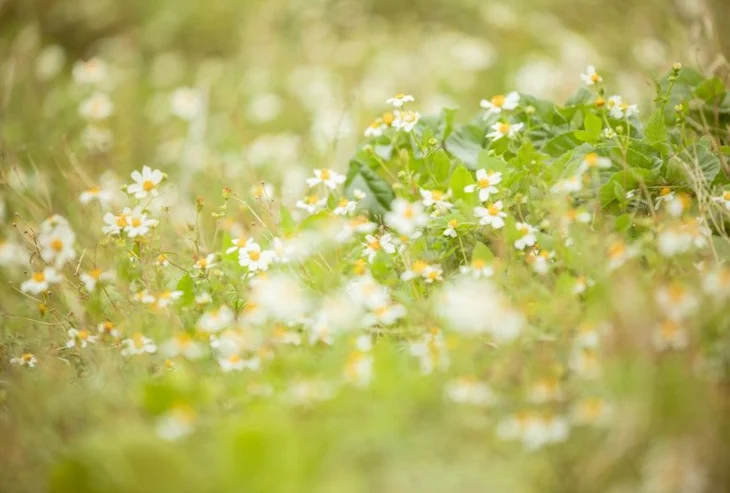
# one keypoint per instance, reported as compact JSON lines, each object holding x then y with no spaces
{"x":186,"y":285}
{"x":286,"y":221}
{"x":460,"y":178}
{"x":561,"y":144}
{"x":465,"y":143}
{"x":482,"y":252}
{"x":656,"y":130}
{"x":712,"y":91}
{"x":709,"y":164}
{"x":593,"y":124}
{"x":624,"y":181}
{"x":492,"y":163}
{"x":379,"y":194}
{"x":441,"y":166}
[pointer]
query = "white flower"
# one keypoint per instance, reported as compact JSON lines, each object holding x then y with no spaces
{"x":496,"y":104}
{"x":433,"y":273}
{"x":41,"y":281}
{"x":167,"y":298}
{"x":186,"y":103}
{"x":504,"y":129}
{"x":255,"y":259}
{"x":27,"y":359}
{"x":400,"y":99}
{"x":311,"y":203}
{"x":469,"y":390}
{"x":56,"y":245}
{"x":591,"y":77}
{"x":263,"y":191}
{"x":545,"y":390}
{"x":593,"y":161}
{"x":582,"y":283}
{"x":431,"y":352}
{"x":375,"y":129}
{"x":234,"y":362}
{"x":204,"y":264}
{"x":717,"y":282}
{"x":145,"y":297}
{"x":385,"y":314}
{"x":12,"y":254}
{"x":95,"y":193}
{"x":107,"y":327}
{"x":592,"y":411}
{"x":267,"y":295}
{"x":327,"y":177}
{"x":527,"y":236}
{"x":450,"y":230}
{"x":584,"y":361}
{"x":145,"y":183}
{"x":676,"y":301}
{"x":405,"y":217}
{"x":618,"y":253}
{"x":491,"y":216}
{"x":138,"y":344}
{"x":485,"y":184}
{"x":80,"y":338}
{"x":406,"y":120}
{"x":568,"y":185}
{"x":116,"y":223}
{"x":94,"y":276}
{"x":367,"y":292}
{"x":90,"y":72}
{"x":216,"y":320}
{"x":308,"y":392}
{"x":203,"y":298}
{"x":619,"y":109}
{"x":436,"y":198}
{"x":345,"y":206}
{"x":478,"y":268}
{"x":359,"y":369}
{"x":176,"y":423}
{"x":723,"y":199}
{"x":98,"y":107}
{"x":137,"y":223}
{"x":375,"y":244}
{"x":670,"y":335}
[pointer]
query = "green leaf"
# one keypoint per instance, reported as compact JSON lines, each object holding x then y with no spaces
{"x":705,"y":159}
{"x":460,"y":178}
{"x":491,"y":163}
{"x":466,"y":144}
{"x":592,"y":124}
{"x":482,"y":252}
{"x":379,"y":194}
{"x":624,"y":181}
{"x":656,"y":130}
{"x":286,"y":221}
{"x":441,"y":166}
{"x":711,"y":90}
{"x":561,"y":144}
{"x":186,"y":285}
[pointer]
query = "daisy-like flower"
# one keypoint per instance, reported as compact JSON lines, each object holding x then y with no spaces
{"x":591,"y":77}
{"x":676,"y":301}
{"x":95,"y":193}
{"x":416,"y":269}
{"x":405,"y":120}
{"x":203,"y":264}
{"x":12,"y":254}
{"x":592,"y":411}
{"x":138,"y":224}
{"x":138,"y":344}
{"x":234,"y":362}
{"x":216,"y":320}
{"x":186,"y":103}
{"x":26,"y":359}
{"x":717,"y":282}
{"x":263,"y":192}
{"x":545,"y":390}
{"x":162,"y":260}
{"x":255,"y":259}
{"x":619,"y":253}
{"x":585,"y":362}
{"x":374,"y":244}
{"x":359,"y":369}
{"x":40,"y":281}
{"x":94,"y":277}
{"x":345,"y":206}
{"x":478,"y":268}
{"x":90,"y":72}
{"x":431,"y":352}
{"x":437,"y":199}
{"x":504,"y":129}
{"x":97,"y":108}
{"x":405,"y":217}
{"x":386,"y":314}
{"x":485,"y":184}
{"x":176,"y":423}
{"x":311,"y":203}
{"x":144,"y":297}
{"x":56,"y":245}
{"x":238,"y":244}
{"x":593,"y":161}
{"x":203,"y":298}
{"x":376,"y":128}
{"x":568,"y":185}
{"x":723,"y":199}
{"x":327,"y":177}
{"x":582,"y":284}
{"x":500,"y":102}
{"x":469,"y":390}
{"x":116,"y":223}
{"x":145,"y":183}
{"x":80,"y":338}
{"x":670,"y":335}
{"x":400,"y":99}
{"x":167,"y":298}
{"x":527,"y":236}
{"x":539,"y":260}
{"x":491,"y":216}
{"x":108,"y":328}
{"x":433,"y":273}
{"x":619,"y":109}
{"x":450,"y":230}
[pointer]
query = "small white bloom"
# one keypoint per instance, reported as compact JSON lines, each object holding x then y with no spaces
{"x":500,"y":102}
{"x":723,"y":199}
{"x":450,"y":230}
{"x":95,"y":276}
{"x":95,"y":193}
{"x":56,"y":245}
{"x":469,"y":390}
{"x":41,"y":281}
{"x":676,"y":301}
{"x":138,"y":224}
{"x":400,"y":99}
{"x":375,"y":244}
{"x":138,"y":344}
{"x":216,"y":320}
{"x":527,"y":236}
{"x":255,"y":259}
{"x":98,"y":107}
{"x":491,"y":216}
{"x":145,"y":183}
{"x":568,"y":185}
{"x":406,"y":120}
{"x":90,"y":72}
{"x":504,"y":129}
{"x":593,"y":161}
{"x":80,"y":338}
{"x":345,"y":206}
{"x":591,"y":77}
{"x":204,"y":264}
{"x":186,"y":103}
{"x":27,"y":359}
{"x":485,"y":184}
{"x":327,"y":177}
{"x":311,"y":203}
{"x":405,"y":217}
{"x":670,"y":335}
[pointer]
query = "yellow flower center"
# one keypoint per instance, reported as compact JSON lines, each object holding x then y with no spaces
{"x":234,"y":358}
{"x":136,"y":222}
{"x":184,"y":339}
{"x":616,"y":250}
{"x":83,"y":334}
{"x":94,"y":190}
{"x":478,"y":264}
{"x":409,"y":213}
{"x":591,"y":159}
{"x":664,"y":191}
{"x":388,"y":118}
{"x":433,"y":275}
{"x":57,"y":244}
{"x":343,"y":202}
{"x":108,"y":326}
{"x":95,"y":274}
{"x":504,"y":128}
{"x":493,"y":210}
{"x":325,"y":174}
{"x":453,"y":223}
{"x":498,"y":100}
{"x":483,"y":182}
{"x":122,"y":221}
{"x":419,"y":266}
{"x":254,"y":255}
{"x":595,"y":78}
{"x":202,"y":262}
{"x":148,"y":185}
{"x":437,"y":194}
{"x":726,"y":195}
{"x":311,"y":199}
{"x":374,"y":244}
{"x":27,"y":357}
{"x":600,"y":102}
{"x":138,"y":340}
{"x":39,"y":277}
